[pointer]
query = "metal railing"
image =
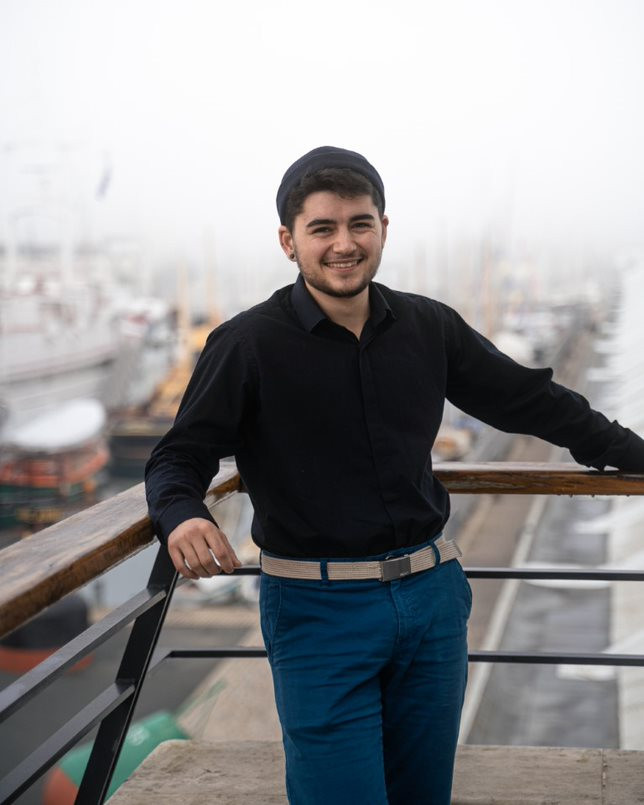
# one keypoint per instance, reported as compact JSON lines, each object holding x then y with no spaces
{"x":113,"y":708}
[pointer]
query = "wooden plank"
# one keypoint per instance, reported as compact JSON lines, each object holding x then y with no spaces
{"x":42,"y":568}
{"x":518,"y":478}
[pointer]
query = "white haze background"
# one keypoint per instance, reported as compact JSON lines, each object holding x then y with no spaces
{"x":517,"y":124}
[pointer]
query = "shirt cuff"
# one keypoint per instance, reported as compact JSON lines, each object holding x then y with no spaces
{"x":176,"y":513}
{"x":625,"y":453}
{"x":632,"y":459}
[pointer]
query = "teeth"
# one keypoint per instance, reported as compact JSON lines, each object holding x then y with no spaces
{"x":344,"y":265}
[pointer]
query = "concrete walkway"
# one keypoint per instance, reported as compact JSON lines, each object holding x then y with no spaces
{"x":251,"y":773}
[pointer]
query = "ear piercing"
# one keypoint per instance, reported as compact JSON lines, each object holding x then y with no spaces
{"x":291,"y":256}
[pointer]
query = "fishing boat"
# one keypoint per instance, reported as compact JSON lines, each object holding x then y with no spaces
{"x":52,"y":464}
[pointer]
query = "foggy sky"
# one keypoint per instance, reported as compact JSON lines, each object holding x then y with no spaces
{"x":519,"y":120}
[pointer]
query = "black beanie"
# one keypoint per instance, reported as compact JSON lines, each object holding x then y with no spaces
{"x":325,"y":157}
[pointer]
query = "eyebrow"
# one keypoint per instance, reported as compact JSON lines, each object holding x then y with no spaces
{"x":366,"y":216}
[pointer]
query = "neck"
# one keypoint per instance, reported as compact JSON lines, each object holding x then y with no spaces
{"x":351,"y":312}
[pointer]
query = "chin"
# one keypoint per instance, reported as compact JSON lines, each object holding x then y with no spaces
{"x":340,"y":290}
{"x":346,"y":293}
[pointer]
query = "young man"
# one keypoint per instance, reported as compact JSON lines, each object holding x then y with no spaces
{"x":330,"y":394}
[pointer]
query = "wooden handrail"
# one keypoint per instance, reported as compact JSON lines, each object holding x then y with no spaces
{"x":519,"y":478}
{"x":41,"y":569}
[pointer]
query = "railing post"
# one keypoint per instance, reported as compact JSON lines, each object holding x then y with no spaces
{"x":134,"y":665}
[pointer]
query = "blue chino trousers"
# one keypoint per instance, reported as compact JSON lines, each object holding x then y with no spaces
{"x":369,"y":681}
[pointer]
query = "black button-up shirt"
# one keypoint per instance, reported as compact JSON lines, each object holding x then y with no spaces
{"x":332,"y":435}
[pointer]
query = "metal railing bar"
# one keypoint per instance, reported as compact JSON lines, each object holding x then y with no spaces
{"x":213,"y":653}
{"x":133,"y":668}
{"x":159,"y":656}
{"x":554,"y":658}
{"x":32,"y":682}
{"x":246,"y":570}
{"x":541,"y":573}
{"x":20,"y":778}
{"x":541,"y":658}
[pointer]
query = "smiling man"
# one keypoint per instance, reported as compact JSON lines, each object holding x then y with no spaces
{"x":330,"y":394}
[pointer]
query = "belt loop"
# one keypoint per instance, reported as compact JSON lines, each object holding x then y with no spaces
{"x":437,"y":555}
{"x":324,"y":572}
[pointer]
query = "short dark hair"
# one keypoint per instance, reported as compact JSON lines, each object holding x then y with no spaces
{"x":345,"y":182}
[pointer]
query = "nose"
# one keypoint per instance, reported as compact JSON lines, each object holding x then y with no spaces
{"x":343,"y":243}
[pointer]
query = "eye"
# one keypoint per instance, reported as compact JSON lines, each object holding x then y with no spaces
{"x":321,"y":230}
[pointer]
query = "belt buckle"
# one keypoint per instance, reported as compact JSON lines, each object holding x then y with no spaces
{"x":396,"y":568}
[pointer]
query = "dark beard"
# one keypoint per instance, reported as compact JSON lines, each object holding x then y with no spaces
{"x":338,"y":293}
{"x":315,"y":282}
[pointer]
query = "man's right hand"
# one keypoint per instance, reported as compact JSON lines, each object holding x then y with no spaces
{"x":195,"y":544}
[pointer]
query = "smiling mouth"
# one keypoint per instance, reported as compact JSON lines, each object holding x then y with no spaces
{"x":343,"y":265}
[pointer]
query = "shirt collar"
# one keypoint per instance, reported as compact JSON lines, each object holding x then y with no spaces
{"x":310,"y":314}
{"x":308,"y":311}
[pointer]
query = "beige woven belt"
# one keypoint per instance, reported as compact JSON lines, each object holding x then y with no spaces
{"x":385,"y":570}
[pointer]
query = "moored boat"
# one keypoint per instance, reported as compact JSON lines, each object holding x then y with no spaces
{"x":52,"y":464}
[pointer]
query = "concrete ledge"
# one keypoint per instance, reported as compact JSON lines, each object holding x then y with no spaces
{"x":252,"y":773}
{"x":207,"y":772}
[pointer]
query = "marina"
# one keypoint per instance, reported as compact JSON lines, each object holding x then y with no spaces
{"x":494,"y":162}
{"x":92,"y":370}
{"x":549,"y":706}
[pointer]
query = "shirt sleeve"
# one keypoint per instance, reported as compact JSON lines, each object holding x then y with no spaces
{"x":492,"y":387}
{"x":208,"y":427}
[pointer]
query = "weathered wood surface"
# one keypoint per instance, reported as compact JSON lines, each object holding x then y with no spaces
{"x":535,"y":479}
{"x":42,"y":568}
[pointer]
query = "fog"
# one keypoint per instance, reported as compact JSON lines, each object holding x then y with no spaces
{"x":514,"y":126}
